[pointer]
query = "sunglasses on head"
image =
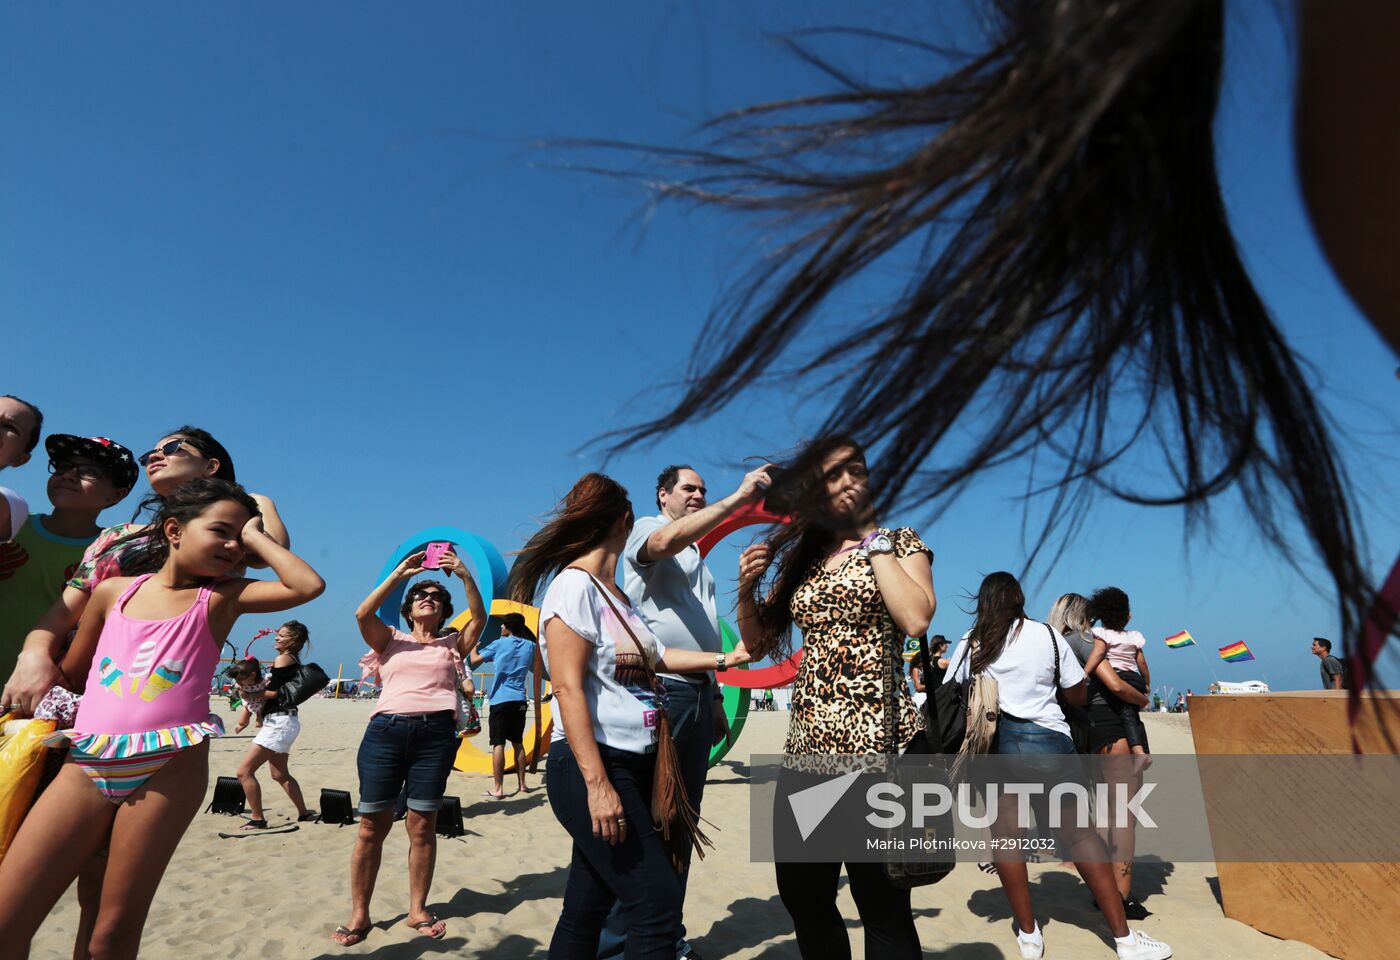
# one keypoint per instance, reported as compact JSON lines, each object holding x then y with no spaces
{"x":85,"y":471}
{"x":168,"y":449}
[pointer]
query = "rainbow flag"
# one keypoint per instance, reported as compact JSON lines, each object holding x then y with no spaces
{"x":1236,"y":653}
{"x":1182,"y":639}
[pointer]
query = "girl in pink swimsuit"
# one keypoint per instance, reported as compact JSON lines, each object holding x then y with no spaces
{"x":138,"y":762}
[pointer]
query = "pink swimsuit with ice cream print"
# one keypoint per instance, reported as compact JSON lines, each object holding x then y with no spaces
{"x":147,"y":695}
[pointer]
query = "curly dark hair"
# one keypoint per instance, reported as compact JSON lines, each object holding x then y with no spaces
{"x":1109,"y":606}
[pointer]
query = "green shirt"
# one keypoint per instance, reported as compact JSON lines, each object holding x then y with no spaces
{"x":33,"y":569}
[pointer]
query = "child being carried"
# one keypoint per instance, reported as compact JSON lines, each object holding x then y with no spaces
{"x":1126,"y":654}
{"x":247,"y":674}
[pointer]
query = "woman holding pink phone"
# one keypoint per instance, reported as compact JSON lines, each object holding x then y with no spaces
{"x":411,"y":739}
{"x":432,"y":554}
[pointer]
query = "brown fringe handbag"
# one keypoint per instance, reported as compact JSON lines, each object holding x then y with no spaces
{"x":671,"y":812}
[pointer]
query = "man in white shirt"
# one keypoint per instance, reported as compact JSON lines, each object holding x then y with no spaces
{"x":666,"y":578}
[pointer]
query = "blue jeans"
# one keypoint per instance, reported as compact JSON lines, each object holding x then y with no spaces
{"x":636,"y":873}
{"x":691,"y":709}
{"x":406,"y":753}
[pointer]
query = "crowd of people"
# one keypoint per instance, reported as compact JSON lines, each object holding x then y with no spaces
{"x":134,"y":618}
{"x":629,"y":637}
{"x":1080,"y":145}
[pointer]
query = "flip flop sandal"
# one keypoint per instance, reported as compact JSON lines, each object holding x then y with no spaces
{"x":429,"y":924}
{"x":254,"y":825}
{"x":270,"y":831}
{"x":350,"y":937}
{"x":310,"y":816}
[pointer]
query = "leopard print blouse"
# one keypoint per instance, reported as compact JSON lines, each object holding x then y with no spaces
{"x":838,"y":697}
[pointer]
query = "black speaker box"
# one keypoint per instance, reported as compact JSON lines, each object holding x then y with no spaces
{"x":449,"y":818}
{"x":336,"y":807}
{"x":228,"y":796}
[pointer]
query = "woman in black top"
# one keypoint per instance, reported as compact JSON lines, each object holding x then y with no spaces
{"x":279,"y":728}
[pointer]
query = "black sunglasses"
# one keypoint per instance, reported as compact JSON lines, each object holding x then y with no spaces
{"x":85,"y":471}
{"x":167,"y":449}
{"x":436,"y":595}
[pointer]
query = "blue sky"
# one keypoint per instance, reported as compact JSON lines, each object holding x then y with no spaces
{"x":327,"y":234}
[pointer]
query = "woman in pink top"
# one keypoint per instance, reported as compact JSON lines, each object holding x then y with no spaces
{"x":138,"y":763}
{"x":412,"y":735}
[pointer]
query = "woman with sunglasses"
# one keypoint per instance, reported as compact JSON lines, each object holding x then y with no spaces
{"x":180,"y":456}
{"x":183,"y":454}
{"x":411,"y":739}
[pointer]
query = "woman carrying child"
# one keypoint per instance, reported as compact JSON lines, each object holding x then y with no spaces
{"x":1117,"y":727}
{"x":138,"y":765}
{"x":1125,"y":651}
{"x":278,"y":728}
{"x":1032,"y":665}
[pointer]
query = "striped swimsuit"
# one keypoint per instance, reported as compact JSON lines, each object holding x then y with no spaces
{"x":147,"y":696}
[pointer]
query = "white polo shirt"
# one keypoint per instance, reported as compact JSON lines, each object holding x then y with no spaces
{"x":675,"y":595}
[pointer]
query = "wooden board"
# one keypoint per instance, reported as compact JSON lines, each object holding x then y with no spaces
{"x":1349,"y":910}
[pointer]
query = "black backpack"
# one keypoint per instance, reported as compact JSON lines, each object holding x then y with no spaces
{"x":945,"y":704}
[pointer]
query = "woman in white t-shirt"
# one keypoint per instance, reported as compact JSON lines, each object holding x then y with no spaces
{"x":612,"y":730}
{"x":1024,"y":656}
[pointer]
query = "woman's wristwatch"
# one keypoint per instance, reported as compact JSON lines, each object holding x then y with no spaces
{"x":721,"y":661}
{"x":877,"y":543}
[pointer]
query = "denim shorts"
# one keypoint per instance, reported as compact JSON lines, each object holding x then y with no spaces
{"x":1017,"y":736}
{"x":406,"y":750}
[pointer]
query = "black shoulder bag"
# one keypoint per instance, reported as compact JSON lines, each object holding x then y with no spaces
{"x":310,"y":680}
{"x":907,"y":874}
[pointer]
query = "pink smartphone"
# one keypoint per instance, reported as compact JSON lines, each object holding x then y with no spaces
{"x":433,"y":558}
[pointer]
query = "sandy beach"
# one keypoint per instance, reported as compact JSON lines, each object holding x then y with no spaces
{"x":500,"y":886}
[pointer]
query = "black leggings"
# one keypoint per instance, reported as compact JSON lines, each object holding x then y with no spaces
{"x":808,"y":891}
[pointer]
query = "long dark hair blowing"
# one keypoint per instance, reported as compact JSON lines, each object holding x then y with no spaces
{"x":580,"y":522}
{"x":1000,"y":605}
{"x":1075,"y":284}
{"x":799,"y":546}
{"x":184,"y":503}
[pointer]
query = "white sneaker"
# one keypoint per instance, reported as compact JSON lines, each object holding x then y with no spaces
{"x":1031,"y":948}
{"x":1144,"y":948}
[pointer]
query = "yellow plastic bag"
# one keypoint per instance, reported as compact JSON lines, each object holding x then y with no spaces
{"x":21,"y":763}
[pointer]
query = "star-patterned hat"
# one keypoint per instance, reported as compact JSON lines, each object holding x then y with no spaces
{"x":112,"y":455}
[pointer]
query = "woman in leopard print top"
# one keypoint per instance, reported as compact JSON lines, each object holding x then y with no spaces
{"x":852,"y":588}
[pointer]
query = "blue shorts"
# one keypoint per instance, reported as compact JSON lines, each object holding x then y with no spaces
{"x":1016,"y":736}
{"x":406,"y":750}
